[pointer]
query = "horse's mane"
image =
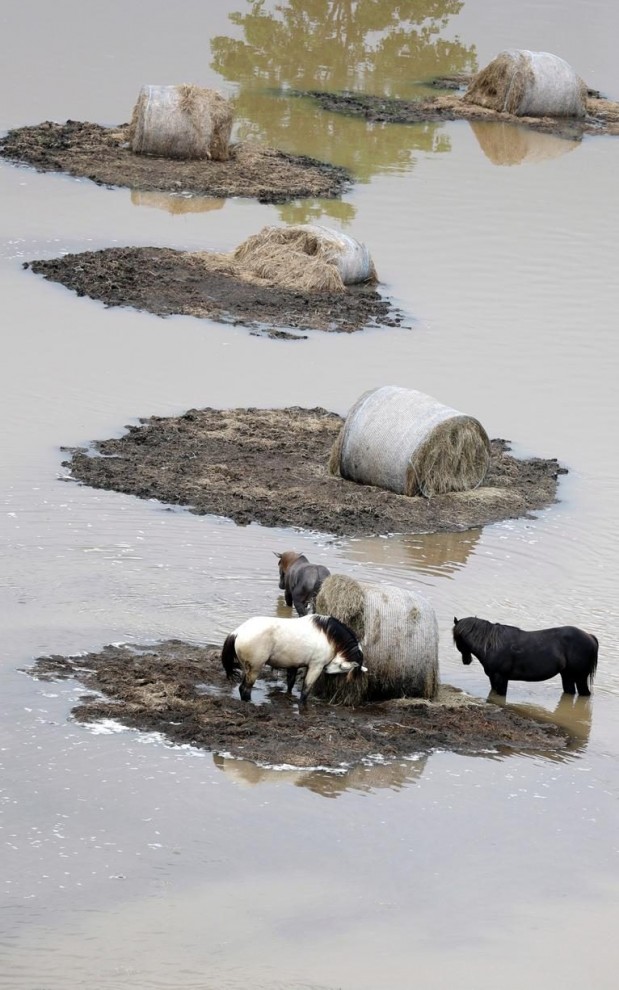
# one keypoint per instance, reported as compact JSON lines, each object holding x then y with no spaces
{"x":340,"y":635}
{"x":480,"y":635}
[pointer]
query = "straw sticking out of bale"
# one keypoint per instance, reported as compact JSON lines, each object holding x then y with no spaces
{"x":184,"y":121}
{"x":321,"y":258}
{"x":399,"y":635}
{"x":409,"y":443}
{"x":529,"y":84}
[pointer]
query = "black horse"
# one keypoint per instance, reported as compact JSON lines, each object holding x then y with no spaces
{"x":510,"y":654}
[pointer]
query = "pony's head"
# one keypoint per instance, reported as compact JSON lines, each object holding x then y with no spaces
{"x":285,"y":559}
{"x":467,"y":656}
{"x":348,"y":657}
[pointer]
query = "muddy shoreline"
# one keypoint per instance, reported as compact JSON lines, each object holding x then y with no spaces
{"x":167,"y":282}
{"x":180,"y":691}
{"x":102,"y":154}
{"x":270,"y":466}
{"x":602,"y":115}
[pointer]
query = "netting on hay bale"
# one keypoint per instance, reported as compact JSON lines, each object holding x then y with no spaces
{"x":529,"y":84}
{"x":185,"y":122}
{"x":398,"y":631}
{"x":409,"y":443}
{"x":306,"y":257}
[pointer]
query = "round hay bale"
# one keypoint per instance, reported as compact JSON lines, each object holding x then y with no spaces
{"x":184,"y":122}
{"x":529,"y":84}
{"x":306,"y":256}
{"x":409,"y":443}
{"x":398,"y":631}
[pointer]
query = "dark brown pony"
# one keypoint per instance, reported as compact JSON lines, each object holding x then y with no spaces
{"x":299,"y":580}
{"x":510,"y":654}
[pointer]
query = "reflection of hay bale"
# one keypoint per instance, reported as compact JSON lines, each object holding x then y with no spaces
{"x":175,"y":204}
{"x":399,"y":635}
{"x":181,"y":122}
{"x":529,"y":84}
{"x":407,"y":442}
{"x":506,"y":144}
{"x":306,"y":257}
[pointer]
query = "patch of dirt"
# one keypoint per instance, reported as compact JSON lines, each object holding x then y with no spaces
{"x":602,"y":115}
{"x":103,"y":154}
{"x":181,"y":691}
{"x":270,"y":466}
{"x":166,"y":282}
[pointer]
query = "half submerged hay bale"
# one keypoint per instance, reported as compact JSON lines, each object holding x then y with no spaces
{"x":399,"y":634}
{"x":184,"y":121}
{"x":307,"y":257}
{"x":409,"y":443}
{"x":529,"y":84}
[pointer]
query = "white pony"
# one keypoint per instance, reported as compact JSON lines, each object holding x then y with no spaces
{"x":315,"y":642}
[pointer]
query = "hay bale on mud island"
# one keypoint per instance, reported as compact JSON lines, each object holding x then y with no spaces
{"x":305,"y":257}
{"x":529,"y":84}
{"x":409,"y":443}
{"x":183,"y":121}
{"x":398,"y":631}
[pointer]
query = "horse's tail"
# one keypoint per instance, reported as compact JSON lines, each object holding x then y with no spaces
{"x":593,"y":663}
{"x":229,"y":659}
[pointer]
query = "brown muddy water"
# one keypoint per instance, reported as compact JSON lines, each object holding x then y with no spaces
{"x":131,"y":863}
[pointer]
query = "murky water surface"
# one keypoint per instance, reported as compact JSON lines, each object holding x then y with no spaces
{"x":127,"y":863}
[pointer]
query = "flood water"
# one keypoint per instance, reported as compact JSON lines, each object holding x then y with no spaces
{"x":129,"y":863}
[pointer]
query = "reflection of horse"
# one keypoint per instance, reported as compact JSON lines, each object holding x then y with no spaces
{"x":571,"y":714}
{"x":299,"y":580}
{"x":510,"y":654}
{"x":361,"y":777}
{"x":316,"y":642}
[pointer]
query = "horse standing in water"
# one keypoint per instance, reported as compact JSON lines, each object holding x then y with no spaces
{"x":299,"y":580}
{"x":510,"y":654}
{"x":316,"y":642}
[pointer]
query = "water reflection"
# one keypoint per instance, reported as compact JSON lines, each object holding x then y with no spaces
{"x":362,"y":777}
{"x":572,"y":713}
{"x":176,"y":204}
{"x":506,"y":144}
{"x":431,"y":553}
{"x":339,"y":45}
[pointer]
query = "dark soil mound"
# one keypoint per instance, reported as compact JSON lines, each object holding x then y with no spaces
{"x":270,"y":466}
{"x":180,"y":691}
{"x":602,"y":115}
{"x":163,"y":281}
{"x":103,"y":154}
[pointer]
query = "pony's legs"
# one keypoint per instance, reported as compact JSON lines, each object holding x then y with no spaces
{"x":247,"y":682}
{"x":311,"y":676}
{"x":568,"y":684}
{"x":583,"y":686}
{"x":291,"y":676}
{"x":287,"y":597}
{"x":300,"y":605}
{"x":498,"y":683}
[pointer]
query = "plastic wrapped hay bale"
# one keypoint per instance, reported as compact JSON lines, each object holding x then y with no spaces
{"x":529,"y":84}
{"x":306,"y":257}
{"x":409,"y":443}
{"x":398,"y":631}
{"x":181,"y":122}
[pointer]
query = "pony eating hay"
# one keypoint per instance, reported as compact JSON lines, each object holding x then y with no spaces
{"x":315,"y":642}
{"x":510,"y":654}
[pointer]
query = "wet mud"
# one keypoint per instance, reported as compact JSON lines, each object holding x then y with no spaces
{"x":167,"y":282}
{"x":270,"y":466}
{"x":181,"y":691}
{"x":103,"y":155}
{"x":602,"y":115}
